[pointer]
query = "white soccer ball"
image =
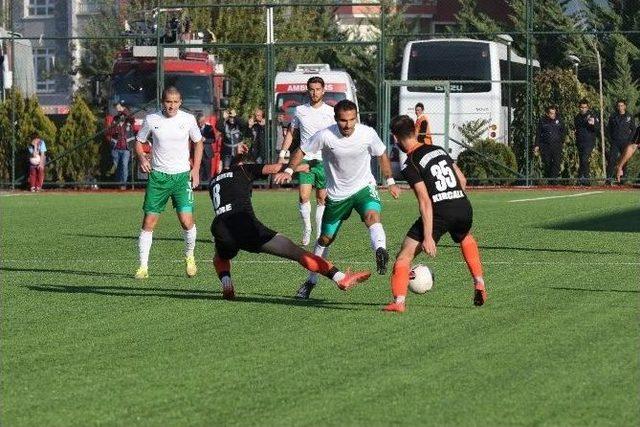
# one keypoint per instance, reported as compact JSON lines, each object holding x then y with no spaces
{"x":420,"y":279}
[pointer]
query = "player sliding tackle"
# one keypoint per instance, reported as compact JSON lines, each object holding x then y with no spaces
{"x":439,"y":187}
{"x":236,"y":228}
{"x":347,"y":148}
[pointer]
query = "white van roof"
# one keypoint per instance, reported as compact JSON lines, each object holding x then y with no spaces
{"x":296,"y":81}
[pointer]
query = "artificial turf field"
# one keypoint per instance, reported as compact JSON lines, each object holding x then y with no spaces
{"x":83,"y":343}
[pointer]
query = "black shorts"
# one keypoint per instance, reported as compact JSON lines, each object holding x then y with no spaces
{"x":454,"y":218}
{"x":239,"y":231}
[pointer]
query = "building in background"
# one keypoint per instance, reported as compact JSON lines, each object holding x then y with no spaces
{"x":428,"y":16}
{"x":55,"y":60}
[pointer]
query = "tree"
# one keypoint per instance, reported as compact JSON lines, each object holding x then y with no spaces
{"x":77,"y":144}
{"x":29,"y":118}
{"x":561,"y":88}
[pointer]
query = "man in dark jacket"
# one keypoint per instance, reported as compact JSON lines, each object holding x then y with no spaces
{"x":586,"y":128}
{"x":234,"y":131}
{"x":257,"y":126}
{"x":549,"y":141}
{"x":621,"y":126}
{"x":208,"y":154}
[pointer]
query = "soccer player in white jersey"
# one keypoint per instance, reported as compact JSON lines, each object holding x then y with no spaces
{"x":170,"y":174}
{"x":307,"y":120}
{"x":347,"y":148}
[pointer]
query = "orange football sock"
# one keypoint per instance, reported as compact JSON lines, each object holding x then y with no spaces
{"x":400,"y":279}
{"x":471,"y":255}
{"x":315,"y":263}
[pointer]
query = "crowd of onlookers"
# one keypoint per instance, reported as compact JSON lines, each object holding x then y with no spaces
{"x":223,"y":140}
{"x":551,"y":135}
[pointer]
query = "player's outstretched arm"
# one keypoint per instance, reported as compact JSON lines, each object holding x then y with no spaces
{"x":274,"y":168}
{"x":626,"y":155}
{"x":385,"y":167}
{"x":426,"y":213}
{"x":461,"y":178}
{"x":287,"y":173}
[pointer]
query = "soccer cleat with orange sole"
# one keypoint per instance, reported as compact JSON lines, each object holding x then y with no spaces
{"x":351,"y":279}
{"x":394,"y":306}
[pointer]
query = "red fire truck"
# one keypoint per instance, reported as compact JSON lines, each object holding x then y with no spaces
{"x":197,"y":74}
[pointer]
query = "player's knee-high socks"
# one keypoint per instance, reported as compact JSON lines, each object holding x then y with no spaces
{"x":305,"y":214}
{"x":471,"y":255}
{"x":400,"y":280}
{"x":378,"y":236}
{"x":223,"y":268}
{"x":320,"y":251}
{"x":319,"y":265}
{"x":189,"y":240}
{"x":144,"y":247}
{"x":319,"y":213}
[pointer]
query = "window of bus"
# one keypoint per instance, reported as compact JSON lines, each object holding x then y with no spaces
{"x":453,"y":61}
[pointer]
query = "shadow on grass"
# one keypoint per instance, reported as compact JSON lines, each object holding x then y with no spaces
{"x":133,"y":237}
{"x":626,"y":221}
{"x":79,"y":272}
{"x":551,"y":250}
{"x":189,"y":294}
{"x":563,"y":288}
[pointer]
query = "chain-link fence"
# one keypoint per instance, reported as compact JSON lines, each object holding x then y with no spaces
{"x":483,"y":90}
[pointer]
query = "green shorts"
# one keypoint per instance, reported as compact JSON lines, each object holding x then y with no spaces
{"x":315,"y":176}
{"x":161,"y":186}
{"x":363,"y":201}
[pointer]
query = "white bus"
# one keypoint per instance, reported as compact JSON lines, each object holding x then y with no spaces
{"x":461,"y":60}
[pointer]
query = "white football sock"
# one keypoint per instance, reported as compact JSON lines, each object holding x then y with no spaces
{"x":319,"y":213}
{"x":189,"y":240}
{"x":321,"y":251}
{"x":378,"y":237}
{"x":144,"y":247}
{"x":400,"y":299}
{"x":305,"y":214}
{"x":338,"y":276}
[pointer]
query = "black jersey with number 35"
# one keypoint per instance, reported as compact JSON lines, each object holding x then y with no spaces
{"x":433,"y":166}
{"x":230,"y":190}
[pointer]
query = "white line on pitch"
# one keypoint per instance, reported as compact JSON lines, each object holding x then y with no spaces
{"x":556,"y":197}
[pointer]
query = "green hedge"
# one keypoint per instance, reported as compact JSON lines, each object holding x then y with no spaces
{"x":481,"y":171}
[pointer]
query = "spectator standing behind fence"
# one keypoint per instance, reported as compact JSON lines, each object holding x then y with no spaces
{"x":423,"y":128}
{"x":208,"y":154}
{"x":549,"y":141}
{"x":621,"y":126}
{"x":37,"y":160}
{"x":121,"y":135}
{"x":233,"y":131}
{"x":257,"y":126}
{"x":587,"y":126}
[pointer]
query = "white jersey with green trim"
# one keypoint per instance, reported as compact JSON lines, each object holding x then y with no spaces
{"x":309,"y":120}
{"x":347,"y":159}
{"x":170,"y":153}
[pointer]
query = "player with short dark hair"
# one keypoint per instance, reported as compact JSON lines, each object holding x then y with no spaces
{"x":444,"y":208}
{"x":308,"y":119}
{"x":236,"y":227}
{"x":347,"y":149}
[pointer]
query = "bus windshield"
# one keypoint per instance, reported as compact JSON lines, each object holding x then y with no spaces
{"x":287,"y":102}
{"x":138,"y":88}
{"x":450,"y":60}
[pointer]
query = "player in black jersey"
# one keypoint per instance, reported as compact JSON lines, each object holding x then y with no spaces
{"x":235,"y":227}
{"x":628,"y":152}
{"x":444,"y":208}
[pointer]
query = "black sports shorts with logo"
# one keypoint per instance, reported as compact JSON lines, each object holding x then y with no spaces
{"x":454,"y":217}
{"x":239,"y":231}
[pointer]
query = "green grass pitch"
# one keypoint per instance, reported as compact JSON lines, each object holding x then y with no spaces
{"x":84,"y":344}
